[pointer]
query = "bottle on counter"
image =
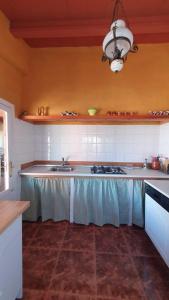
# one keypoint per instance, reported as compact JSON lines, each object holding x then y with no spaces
{"x":145,"y":165}
{"x":155,"y":163}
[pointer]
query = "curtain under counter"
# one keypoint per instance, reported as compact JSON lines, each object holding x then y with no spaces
{"x":54,"y":197}
{"x":49,"y":198}
{"x":30,"y":192}
{"x":95,"y":201}
{"x":85,"y":200}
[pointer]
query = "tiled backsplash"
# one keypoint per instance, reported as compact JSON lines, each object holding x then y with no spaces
{"x":125,"y":143}
{"x":23,"y":151}
{"x":164,"y":140}
{"x":117,"y":143}
{"x":24,"y":142}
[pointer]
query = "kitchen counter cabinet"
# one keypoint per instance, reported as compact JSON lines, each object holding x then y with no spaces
{"x":157,"y":215}
{"x":76,"y":207}
{"x":84,"y":200}
{"x":11,"y":249}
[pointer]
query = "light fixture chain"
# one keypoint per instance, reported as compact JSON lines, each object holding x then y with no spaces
{"x":125,"y":15}
{"x":116,"y":10}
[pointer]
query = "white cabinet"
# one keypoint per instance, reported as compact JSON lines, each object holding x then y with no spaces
{"x":11,"y":261}
{"x":157,"y":221}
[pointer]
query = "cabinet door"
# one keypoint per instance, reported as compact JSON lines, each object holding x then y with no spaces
{"x":156,"y":226}
{"x":11,"y":261}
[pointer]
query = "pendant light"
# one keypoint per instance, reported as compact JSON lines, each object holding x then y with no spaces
{"x":119,"y":40}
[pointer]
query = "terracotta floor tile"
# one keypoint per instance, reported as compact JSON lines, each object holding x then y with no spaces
{"x":75,"y":273}
{"x":130,"y":228}
{"x":106,"y":226}
{"x":59,"y":263}
{"x":59,"y":224}
{"x":36,"y":280}
{"x":33,"y":295}
{"x":123,"y":297}
{"x":29,"y":228}
{"x":157,"y":293}
{"x":28,"y":231}
{"x":76,"y":225}
{"x":79,"y":238}
{"x":64,"y":296}
{"x":110,"y":240}
{"x":163,"y":293}
{"x":153,"y":272}
{"x":39,"y":259}
{"x":38,"y":266}
{"x":139,"y":243}
{"x":48,"y":236}
{"x":152,"y":267}
{"x":116,"y":278}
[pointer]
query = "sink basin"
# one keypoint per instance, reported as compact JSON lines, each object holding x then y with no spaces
{"x":61,"y":169}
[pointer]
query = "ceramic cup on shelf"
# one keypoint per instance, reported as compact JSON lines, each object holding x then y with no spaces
{"x":92,"y":111}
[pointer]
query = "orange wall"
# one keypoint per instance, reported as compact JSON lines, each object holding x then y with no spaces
{"x":14,"y":58}
{"x":75,"y":79}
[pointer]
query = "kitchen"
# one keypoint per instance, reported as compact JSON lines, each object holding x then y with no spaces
{"x":53,"y":73}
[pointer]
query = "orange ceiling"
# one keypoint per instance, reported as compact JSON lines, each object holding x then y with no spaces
{"x":45,"y":23}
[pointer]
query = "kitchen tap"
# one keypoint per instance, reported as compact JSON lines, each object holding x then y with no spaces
{"x":145,"y":165}
{"x":63,"y":162}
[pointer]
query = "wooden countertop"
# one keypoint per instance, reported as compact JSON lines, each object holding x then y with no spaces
{"x":10,"y":210}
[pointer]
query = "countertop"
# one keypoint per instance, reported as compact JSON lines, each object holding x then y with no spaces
{"x":161,"y":186}
{"x":84,"y":171}
{"x":10,"y":210}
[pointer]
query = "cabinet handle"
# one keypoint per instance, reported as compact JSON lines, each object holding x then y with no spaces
{"x":10,"y":168}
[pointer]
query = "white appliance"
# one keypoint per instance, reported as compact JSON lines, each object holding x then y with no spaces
{"x":157,"y":215}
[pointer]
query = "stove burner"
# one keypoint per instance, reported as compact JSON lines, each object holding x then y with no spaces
{"x":107,"y":170}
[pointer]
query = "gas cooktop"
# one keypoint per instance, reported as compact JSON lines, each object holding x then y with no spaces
{"x":107,"y":170}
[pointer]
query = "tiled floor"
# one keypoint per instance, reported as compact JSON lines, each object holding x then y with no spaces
{"x":75,"y":262}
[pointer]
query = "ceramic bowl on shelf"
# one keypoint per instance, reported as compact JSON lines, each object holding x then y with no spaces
{"x":92,"y":111}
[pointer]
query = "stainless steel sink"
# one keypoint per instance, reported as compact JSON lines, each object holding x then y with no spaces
{"x":61,"y":169}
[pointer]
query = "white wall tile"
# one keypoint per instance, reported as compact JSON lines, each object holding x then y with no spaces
{"x":164,"y":140}
{"x":23,"y":150}
{"x":97,"y":142}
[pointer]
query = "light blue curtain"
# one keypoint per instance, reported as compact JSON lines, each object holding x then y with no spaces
{"x":55,"y":198}
{"x":49,"y":198}
{"x":30,"y":193}
{"x":125,"y":196}
{"x":138,"y":202}
{"x":95,"y":200}
{"x":102,"y":201}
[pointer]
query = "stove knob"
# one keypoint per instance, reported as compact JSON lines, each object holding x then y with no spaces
{"x":94,"y":169}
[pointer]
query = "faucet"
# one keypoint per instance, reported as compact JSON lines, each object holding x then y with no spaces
{"x":145,"y":165}
{"x":63,"y":162}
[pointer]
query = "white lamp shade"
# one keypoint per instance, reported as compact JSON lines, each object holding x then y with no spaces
{"x":124,"y":42}
{"x":116,"y":65}
{"x":118,"y":23}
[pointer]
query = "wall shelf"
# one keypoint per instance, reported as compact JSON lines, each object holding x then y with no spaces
{"x":57,"y":119}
